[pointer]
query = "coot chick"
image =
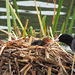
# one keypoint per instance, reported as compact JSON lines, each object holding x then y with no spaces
{"x":67,"y":39}
{"x":41,"y":42}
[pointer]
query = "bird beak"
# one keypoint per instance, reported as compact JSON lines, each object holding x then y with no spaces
{"x":56,"y":40}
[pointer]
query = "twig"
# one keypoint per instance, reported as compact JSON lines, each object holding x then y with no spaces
{"x":27,"y":69}
{"x":73,"y":64}
{"x":2,"y":49}
{"x":24,"y":67}
{"x":10,"y":67}
{"x":49,"y":71}
{"x":10,"y":34}
{"x":52,"y":35}
{"x":60,"y":63}
{"x":17,"y":66}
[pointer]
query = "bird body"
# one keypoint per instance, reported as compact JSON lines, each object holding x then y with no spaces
{"x":41,"y":42}
{"x":73,"y":44}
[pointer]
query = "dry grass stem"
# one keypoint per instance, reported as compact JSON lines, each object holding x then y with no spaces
{"x":73,"y":64}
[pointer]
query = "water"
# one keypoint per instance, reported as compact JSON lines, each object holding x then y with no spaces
{"x":27,"y":11}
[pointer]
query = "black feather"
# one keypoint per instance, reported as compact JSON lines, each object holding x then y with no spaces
{"x":69,"y":40}
{"x":65,"y":38}
{"x":38,"y":42}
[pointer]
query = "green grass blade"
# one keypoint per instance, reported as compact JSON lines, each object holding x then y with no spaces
{"x":72,"y":22}
{"x":31,"y":30}
{"x":8,"y":16}
{"x":62,"y":28}
{"x":45,"y":25}
{"x":57,"y":16}
{"x":14,"y":20}
{"x":24,"y":32}
{"x":16,"y":16}
{"x":16,"y":7}
{"x":67,"y":18}
{"x":41,"y":20}
{"x":48,"y":31}
{"x":40,"y":13}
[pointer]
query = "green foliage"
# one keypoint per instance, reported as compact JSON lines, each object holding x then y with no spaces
{"x":64,"y":26}
{"x":42,"y":20}
{"x":45,"y":24}
{"x":57,"y":16}
{"x":20,"y":23}
{"x":68,"y":15}
{"x":40,"y":13}
{"x":16,"y":7}
{"x":72,"y":22}
{"x":8,"y":17}
{"x":24,"y":32}
{"x":31,"y":31}
{"x":14,"y":21}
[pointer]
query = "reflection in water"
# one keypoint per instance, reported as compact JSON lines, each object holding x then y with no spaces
{"x":33,"y":12}
{"x":39,"y":3}
{"x":5,"y":17}
{"x":5,"y":27}
{"x":2,"y":9}
{"x":46,"y":12}
{"x":67,"y":48}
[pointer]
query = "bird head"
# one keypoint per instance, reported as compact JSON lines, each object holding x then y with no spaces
{"x":65,"y":38}
{"x":46,"y":40}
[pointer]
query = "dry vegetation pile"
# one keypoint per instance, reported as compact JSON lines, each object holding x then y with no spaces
{"x":18,"y":57}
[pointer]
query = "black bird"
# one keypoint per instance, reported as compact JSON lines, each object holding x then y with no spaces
{"x":67,"y":39}
{"x":41,"y":42}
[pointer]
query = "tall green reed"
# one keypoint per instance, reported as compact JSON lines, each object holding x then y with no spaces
{"x":65,"y":24}
{"x":42,"y":20}
{"x":13,"y":16}
{"x":62,"y":28}
{"x":8,"y":17}
{"x":72,"y":22}
{"x":57,"y":16}
{"x":14,"y":21}
{"x":16,"y":7}
{"x":44,"y":23}
{"x":20,"y":23}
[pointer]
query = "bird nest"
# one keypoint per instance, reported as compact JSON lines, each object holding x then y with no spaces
{"x":18,"y":57}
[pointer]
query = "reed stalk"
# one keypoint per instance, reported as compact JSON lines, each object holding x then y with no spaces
{"x":24,"y":32}
{"x":16,"y":16}
{"x":68,"y":15}
{"x":39,"y":18}
{"x":14,"y":21}
{"x":72,"y":22}
{"x":8,"y":17}
{"x":57,"y":16}
{"x":16,"y":7}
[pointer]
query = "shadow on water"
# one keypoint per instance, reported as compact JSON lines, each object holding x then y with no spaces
{"x":27,"y":11}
